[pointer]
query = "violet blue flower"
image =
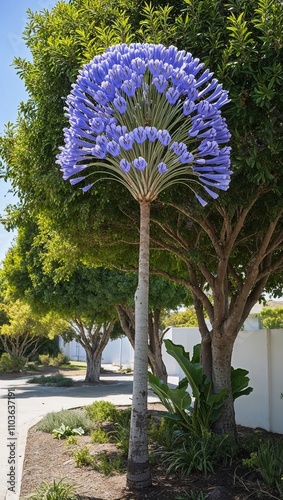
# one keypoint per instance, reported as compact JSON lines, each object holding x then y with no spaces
{"x":139,"y":163}
{"x":164,"y":137}
{"x":120,"y":104}
{"x":162,"y":167}
{"x":151,"y":107}
{"x":139,"y":135}
{"x":125,"y":165}
{"x":126,"y":142}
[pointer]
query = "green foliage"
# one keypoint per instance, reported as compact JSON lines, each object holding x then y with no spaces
{"x":161,"y":433}
{"x":103,"y":463}
{"x":121,"y":436}
{"x":101,"y":411}
{"x":156,"y":25}
{"x":58,"y":490}
{"x":56,"y":380}
{"x":240,"y":382}
{"x":185,"y":318}
{"x":12,"y":363}
{"x":83,"y":457}
{"x":252,"y":461}
{"x":242,"y":43}
{"x":73,"y":419}
{"x":200,"y":416}
{"x":272,"y":317}
{"x":109,"y":464}
{"x":99,"y":436}
{"x":270,"y":461}
{"x":194,"y":454}
{"x":71,"y":441}
{"x":65,"y":431}
{"x":59,"y":360}
{"x":206,"y":409}
{"x":44,"y":359}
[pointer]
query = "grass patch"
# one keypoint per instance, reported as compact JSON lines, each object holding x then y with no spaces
{"x":54,"y":491}
{"x":74,"y":365}
{"x":56,"y":380}
{"x":71,"y":418}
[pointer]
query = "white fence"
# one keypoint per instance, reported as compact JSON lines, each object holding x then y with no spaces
{"x":117,"y":352}
{"x":261,"y":353}
{"x":258,"y":351}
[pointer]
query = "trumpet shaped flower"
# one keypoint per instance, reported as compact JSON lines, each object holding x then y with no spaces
{"x":151,"y":102}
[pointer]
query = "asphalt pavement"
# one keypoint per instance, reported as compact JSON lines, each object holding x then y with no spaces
{"x":22,"y":405}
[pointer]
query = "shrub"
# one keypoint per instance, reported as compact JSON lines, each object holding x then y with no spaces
{"x":65,"y":430}
{"x":102,"y":411}
{"x":107,"y":465}
{"x":199,"y":416}
{"x":161,"y":433}
{"x":44,"y":359}
{"x":12,"y":363}
{"x":72,"y":441}
{"x":270,"y":461}
{"x":194,"y":454}
{"x":99,"y":436}
{"x":53,"y":491}
{"x":72,"y":418}
{"x":121,"y":436}
{"x":56,"y":380}
{"x":83,"y":457}
{"x":61,"y":359}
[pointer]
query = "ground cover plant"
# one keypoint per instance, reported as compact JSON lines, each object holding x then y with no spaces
{"x":184,"y":466}
{"x":56,"y":380}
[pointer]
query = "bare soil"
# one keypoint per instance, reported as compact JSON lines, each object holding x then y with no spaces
{"x":48,"y":459}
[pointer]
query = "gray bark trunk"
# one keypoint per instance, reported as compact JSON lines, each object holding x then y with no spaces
{"x":221,"y":350}
{"x":138,"y":475}
{"x":155,"y":360}
{"x":93,"y":365}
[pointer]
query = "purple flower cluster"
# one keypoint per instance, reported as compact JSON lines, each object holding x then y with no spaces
{"x":145,"y":106}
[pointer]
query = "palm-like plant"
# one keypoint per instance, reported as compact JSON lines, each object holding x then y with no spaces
{"x":148,"y":117}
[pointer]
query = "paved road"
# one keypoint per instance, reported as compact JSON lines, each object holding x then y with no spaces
{"x":31,"y":403}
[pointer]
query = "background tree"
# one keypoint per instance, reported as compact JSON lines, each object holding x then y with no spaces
{"x":162,"y":295}
{"x":183,"y":318}
{"x":23,"y":332}
{"x":77,"y":294}
{"x":46,"y":271}
{"x":272,"y":317}
{"x":226,"y":254}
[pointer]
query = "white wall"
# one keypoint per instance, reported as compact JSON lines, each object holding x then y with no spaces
{"x":251,"y":351}
{"x":261,"y":353}
{"x":117,"y":352}
{"x":258,"y":351}
{"x":276,"y":381}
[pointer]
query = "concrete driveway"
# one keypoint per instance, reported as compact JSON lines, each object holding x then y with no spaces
{"x":22,"y":405}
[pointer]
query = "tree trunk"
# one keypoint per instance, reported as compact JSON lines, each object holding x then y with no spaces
{"x":221,"y":350}
{"x":127,"y":323}
{"x":138,"y":475}
{"x":157,"y":365}
{"x":93,"y":364}
{"x":206,"y":356}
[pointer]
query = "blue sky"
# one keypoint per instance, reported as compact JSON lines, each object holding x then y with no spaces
{"x":13,"y":20}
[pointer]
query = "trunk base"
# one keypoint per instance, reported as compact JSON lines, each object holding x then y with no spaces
{"x":138,"y":476}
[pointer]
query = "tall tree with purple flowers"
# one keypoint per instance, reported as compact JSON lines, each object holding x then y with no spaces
{"x":148,"y":117}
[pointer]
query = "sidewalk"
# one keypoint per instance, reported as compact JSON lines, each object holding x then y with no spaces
{"x":32,"y":402}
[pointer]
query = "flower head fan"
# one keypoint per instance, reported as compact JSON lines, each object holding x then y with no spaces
{"x":148,"y":117}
